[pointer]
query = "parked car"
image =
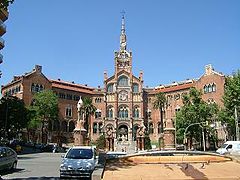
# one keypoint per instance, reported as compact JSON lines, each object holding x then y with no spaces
{"x":8,"y":158}
{"x":229,"y":147}
{"x":78,"y":162}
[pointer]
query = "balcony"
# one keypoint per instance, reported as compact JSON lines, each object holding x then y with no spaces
{"x":1,"y":58}
{"x":3,"y":14}
{"x":1,"y":43}
{"x":2,"y":28}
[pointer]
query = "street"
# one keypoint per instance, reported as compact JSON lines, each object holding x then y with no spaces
{"x":36,"y":166}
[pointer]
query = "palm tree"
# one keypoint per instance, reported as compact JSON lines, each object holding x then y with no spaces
{"x":159,"y":103}
{"x":88,"y":109}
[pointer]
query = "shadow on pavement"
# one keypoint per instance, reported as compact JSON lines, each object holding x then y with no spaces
{"x":2,"y":173}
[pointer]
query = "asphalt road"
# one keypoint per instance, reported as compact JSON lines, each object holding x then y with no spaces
{"x":36,"y":166}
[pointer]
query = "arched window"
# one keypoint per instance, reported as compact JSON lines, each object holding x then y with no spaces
{"x":214,"y":87}
{"x":110,"y":88}
{"x":37,"y":88}
{"x":98,"y":114}
{"x":100,"y":127}
{"x":68,"y":111}
{"x":136,"y":112}
{"x":64,"y":126}
{"x":71,"y":126}
{"x":135,"y":88}
{"x":205,"y":89}
{"x":150,"y":128}
{"x":123,"y":81}
{"x":41,"y":88}
{"x":110,"y":112}
{"x":95,"y":128}
{"x":33,"y":87}
{"x":209,"y":88}
{"x":123,"y":112}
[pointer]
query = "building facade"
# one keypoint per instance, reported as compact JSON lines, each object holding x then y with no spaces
{"x":123,"y":104}
{"x":3,"y":18}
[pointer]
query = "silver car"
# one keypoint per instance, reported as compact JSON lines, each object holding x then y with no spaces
{"x":8,"y":158}
{"x":78,"y":162}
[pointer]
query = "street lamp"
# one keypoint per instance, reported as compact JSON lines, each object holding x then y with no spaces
{"x":184,"y":139}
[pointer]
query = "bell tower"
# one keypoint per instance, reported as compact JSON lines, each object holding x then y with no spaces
{"x":123,"y":57}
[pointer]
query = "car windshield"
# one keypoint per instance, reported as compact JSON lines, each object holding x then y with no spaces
{"x":224,"y":145}
{"x":80,"y":154}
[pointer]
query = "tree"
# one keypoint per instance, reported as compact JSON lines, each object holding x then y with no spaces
{"x":101,"y":143}
{"x":194,"y":110}
{"x":159,"y":103}
{"x":14,"y":116}
{"x":44,"y":109}
{"x":231,"y":99}
{"x":88,"y":109}
{"x":5,"y":3}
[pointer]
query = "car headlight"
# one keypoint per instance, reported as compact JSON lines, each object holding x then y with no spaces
{"x":62,"y":167}
{"x":89,"y":166}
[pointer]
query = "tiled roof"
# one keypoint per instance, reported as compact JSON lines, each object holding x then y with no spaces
{"x":173,"y":88}
{"x":71,"y":86}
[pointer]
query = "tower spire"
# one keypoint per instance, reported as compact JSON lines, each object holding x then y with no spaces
{"x":123,"y":37}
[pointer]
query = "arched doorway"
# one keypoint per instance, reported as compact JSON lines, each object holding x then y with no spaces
{"x":123,"y":133}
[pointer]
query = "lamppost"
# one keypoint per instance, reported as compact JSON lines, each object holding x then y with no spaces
{"x":236,"y":123}
{"x":203,"y":136}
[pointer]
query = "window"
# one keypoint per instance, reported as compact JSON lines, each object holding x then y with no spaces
{"x":98,"y":114}
{"x":110,"y":112}
{"x":209,"y":88}
{"x":69,"y":111}
{"x":69,"y":96}
{"x":41,"y":88}
{"x":149,"y":114}
{"x":110,"y":88}
{"x":214,"y":87}
{"x":177,"y":96}
{"x":123,"y":81}
{"x":135,"y":88}
{"x":95,"y":128}
{"x":76,"y":98}
{"x":100,"y":127}
{"x":98,"y":100}
{"x":136,"y":112}
{"x":62,"y":95}
{"x":33,"y":87}
{"x":123,"y":112}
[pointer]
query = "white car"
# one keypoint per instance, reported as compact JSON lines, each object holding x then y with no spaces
{"x":78,"y":162}
{"x":229,"y":147}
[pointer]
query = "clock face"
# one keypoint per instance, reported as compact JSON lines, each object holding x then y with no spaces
{"x":123,"y":96}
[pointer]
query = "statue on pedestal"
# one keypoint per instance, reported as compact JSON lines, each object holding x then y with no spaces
{"x":80,"y":131}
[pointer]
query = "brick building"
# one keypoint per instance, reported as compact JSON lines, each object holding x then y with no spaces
{"x":123,"y":104}
{"x":3,"y":18}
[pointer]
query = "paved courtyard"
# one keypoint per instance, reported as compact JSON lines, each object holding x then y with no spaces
{"x":151,"y":168}
{"x":36,"y":166}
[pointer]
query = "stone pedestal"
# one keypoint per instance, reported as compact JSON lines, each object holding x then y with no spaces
{"x":140,"y":143}
{"x":80,"y":134}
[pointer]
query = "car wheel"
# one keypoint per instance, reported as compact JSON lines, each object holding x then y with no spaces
{"x":14,"y":166}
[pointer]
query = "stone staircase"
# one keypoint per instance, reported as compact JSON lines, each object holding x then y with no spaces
{"x":125,"y":146}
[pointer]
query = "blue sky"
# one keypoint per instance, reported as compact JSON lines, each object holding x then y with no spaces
{"x":74,"y":40}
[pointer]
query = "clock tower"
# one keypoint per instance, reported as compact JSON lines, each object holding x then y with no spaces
{"x":123,"y":95}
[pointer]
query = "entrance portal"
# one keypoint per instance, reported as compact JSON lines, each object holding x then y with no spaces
{"x":122,"y":133}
